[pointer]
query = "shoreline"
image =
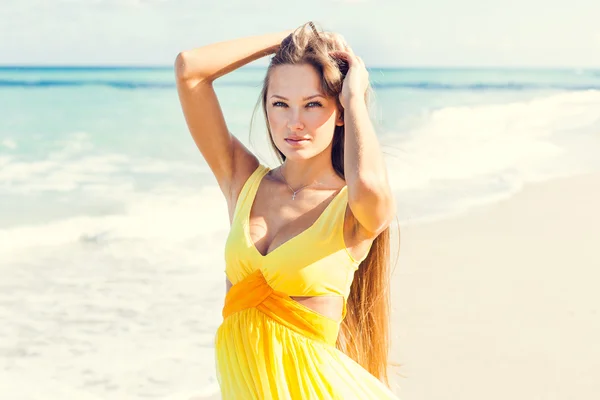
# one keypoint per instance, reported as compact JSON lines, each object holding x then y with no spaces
{"x":491,"y":200}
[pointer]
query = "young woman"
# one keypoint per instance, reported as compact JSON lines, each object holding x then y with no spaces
{"x":307,"y":257}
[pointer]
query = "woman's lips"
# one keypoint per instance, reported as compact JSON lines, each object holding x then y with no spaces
{"x":296,"y":141}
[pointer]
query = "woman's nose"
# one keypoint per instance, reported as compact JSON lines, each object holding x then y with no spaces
{"x":295,"y":122}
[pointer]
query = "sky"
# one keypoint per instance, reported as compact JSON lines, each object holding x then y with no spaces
{"x":385,"y":33}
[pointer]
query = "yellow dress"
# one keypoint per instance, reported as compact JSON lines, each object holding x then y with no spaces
{"x":270,"y":346}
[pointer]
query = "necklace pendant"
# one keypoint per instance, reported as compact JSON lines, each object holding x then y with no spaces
{"x":294,"y":196}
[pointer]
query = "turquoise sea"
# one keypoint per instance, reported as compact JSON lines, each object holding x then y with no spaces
{"x":112,"y":227}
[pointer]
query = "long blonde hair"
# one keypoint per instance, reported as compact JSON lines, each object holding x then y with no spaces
{"x":364,"y":333}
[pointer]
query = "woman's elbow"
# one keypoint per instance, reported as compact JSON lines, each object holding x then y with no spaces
{"x":181,"y":68}
{"x":373,"y":210}
{"x":189,"y":69}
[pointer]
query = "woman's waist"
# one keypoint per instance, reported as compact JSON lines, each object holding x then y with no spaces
{"x":252,"y":324}
{"x":253,"y":292}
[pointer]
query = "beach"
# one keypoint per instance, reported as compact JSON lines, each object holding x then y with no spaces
{"x":113,"y":226}
{"x":112,"y":230}
{"x":503,"y":301}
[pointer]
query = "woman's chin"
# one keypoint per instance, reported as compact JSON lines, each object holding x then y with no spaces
{"x":302,"y":154}
{"x":298,"y":155}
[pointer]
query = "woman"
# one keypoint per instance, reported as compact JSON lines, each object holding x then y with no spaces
{"x":307,"y":306}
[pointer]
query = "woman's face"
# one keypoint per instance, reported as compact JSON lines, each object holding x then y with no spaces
{"x":301,"y":118}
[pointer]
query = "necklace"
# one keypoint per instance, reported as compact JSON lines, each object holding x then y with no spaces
{"x":294,"y":192}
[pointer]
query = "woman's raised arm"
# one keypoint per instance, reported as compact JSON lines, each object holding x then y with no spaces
{"x":230,"y":161}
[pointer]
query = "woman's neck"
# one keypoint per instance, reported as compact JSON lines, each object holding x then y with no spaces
{"x":299,"y":173}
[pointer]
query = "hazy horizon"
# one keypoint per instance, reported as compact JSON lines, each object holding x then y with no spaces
{"x":385,"y":33}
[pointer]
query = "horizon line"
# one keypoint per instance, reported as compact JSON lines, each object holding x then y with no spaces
{"x":166,"y":66}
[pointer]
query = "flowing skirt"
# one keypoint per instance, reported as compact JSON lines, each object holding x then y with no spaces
{"x":269,"y":346}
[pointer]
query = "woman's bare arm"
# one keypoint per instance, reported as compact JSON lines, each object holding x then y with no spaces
{"x":369,"y":194}
{"x":230,"y":161}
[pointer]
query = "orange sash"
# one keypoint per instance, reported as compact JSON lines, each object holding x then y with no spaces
{"x":254,"y":292}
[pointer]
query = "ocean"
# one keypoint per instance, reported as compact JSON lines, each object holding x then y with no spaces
{"x":112,"y":227}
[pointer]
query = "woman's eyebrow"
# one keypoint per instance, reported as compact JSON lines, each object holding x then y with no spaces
{"x":304,"y":99}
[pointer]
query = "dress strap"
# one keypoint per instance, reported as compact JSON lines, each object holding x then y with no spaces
{"x":248,"y":192}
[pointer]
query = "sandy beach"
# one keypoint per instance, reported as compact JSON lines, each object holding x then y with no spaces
{"x":503,"y":302}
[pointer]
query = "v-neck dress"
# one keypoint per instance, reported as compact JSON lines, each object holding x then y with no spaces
{"x":270,"y":346}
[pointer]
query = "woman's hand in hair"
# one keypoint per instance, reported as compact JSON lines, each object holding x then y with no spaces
{"x":356,"y":81}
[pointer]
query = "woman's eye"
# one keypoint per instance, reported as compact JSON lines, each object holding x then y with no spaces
{"x":312,"y":104}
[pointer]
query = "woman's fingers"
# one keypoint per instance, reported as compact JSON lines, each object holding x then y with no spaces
{"x":344,"y":55}
{"x":349,"y":57}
